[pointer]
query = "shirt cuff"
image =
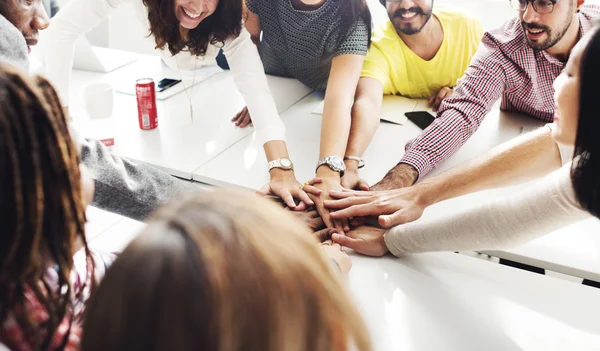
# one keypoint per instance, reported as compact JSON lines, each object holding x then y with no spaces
{"x":419,"y":161}
{"x":566,"y":151}
{"x":388,"y":237}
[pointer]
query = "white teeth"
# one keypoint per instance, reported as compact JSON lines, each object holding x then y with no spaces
{"x":409,"y":14}
{"x":535,"y":32}
{"x":191,"y":14}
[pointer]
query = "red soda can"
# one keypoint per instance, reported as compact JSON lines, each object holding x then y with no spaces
{"x":146,"y":103}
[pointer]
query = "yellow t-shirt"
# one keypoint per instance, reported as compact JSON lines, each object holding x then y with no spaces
{"x":404,"y":73}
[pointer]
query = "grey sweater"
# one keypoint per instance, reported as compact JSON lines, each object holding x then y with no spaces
{"x":123,"y":186}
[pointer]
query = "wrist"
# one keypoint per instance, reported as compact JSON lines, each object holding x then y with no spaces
{"x":351,"y":166}
{"x":281,"y":173}
{"x":324,"y":172}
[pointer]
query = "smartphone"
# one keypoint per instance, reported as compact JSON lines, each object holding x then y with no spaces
{"x":421,"y":118}
{"x":166,"y":83}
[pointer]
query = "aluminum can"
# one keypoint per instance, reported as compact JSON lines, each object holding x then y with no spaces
{"x":145,"y":93}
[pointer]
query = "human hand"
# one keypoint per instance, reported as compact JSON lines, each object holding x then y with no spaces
{"x":366,"y":240}
{"x":436,"y":99}
{"x":335,"y":252}
{"x":392,"y":207}
{"x":242,"y":118}
{"x":327,"y":185}
{"x":284,"y":184}
{"x":311,"y":217}
{"x":352,"y":181}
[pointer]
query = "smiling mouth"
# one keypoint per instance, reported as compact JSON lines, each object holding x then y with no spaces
{"x":408,"y":15}
{"x":190,"y":14}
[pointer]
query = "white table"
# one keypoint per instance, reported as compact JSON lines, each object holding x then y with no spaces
{"x":574,"y":250}
{"x":242,"y":165}
{"x":447,"y":301}
{"x":179,"y":145}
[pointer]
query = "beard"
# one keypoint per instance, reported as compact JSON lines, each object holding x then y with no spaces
{"x":552,"y":37}
{"x":411,"y":28}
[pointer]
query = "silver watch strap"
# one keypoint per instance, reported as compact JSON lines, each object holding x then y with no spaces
{"x":274,"y":164}
{"x":361,"y":162}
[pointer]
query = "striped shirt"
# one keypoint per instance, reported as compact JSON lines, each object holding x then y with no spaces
{"x":506,"y":67}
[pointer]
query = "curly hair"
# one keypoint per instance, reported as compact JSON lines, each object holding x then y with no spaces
{"x":43,"y":214}
{"x":224,"y":23}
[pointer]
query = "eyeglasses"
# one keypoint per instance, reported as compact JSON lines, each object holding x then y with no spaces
{"x":540,"y":6}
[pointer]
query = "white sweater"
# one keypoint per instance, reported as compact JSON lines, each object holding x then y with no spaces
{"x":80,"y":16}
{"x":547,"y":205}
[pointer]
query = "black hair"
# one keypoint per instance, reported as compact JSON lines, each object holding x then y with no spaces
{"x":585,"y":171}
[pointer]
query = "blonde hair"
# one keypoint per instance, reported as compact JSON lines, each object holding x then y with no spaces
{"x":248,"y":276}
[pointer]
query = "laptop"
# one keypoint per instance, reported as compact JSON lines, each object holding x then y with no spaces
{"x":96,"y":59}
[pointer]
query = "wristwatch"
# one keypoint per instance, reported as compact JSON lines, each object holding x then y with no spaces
{"x":361,"y":162}
{"x":334,"y":162}
{"x":283,"y":163}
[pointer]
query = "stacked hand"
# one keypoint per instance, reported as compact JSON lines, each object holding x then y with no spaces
{"x":284,"y":185}
{"x":391,"y":207}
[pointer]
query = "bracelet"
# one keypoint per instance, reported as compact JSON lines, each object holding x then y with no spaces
{"x":361,"y":162}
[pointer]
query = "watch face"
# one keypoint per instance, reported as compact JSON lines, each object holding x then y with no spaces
{"x":285,"y":162}
{"x":337,"y":163}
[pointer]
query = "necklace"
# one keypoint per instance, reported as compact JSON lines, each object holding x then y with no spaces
{"x":190,"y":94}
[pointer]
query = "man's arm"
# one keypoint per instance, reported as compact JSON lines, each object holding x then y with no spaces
{"x":365,"y":119}
{"x":458,"y":118}
{"x":515,"y":161}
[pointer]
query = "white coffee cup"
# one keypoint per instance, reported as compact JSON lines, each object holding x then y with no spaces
{"x":98,"y":100}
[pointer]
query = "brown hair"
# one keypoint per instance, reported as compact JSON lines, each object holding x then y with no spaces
{"x":40,"y":201}
{"x":224,"y":23}
{"x":223,"y":271}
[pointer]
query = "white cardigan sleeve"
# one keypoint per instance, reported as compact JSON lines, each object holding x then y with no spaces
{"x":547,"y":205}
{"x":251,"y":81}
{"x":76,"y":18}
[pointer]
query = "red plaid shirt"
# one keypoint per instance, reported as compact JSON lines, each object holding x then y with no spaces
{"x":17,"y":339}
{"x":503,"y":67}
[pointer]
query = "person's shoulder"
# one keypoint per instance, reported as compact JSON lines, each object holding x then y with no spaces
{"x":509,"y":35}
{"x":462,"y":21}
{"x":383,"y":32}
{"x":454,"y":14}
{"x":591,"y":11}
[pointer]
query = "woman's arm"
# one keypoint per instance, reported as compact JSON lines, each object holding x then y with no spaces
{"x":335,"y":127}
{"x":365,"y":119}
{"x":58,"y":42}
{"x":251,"y":81}
{"x":544,"y":206}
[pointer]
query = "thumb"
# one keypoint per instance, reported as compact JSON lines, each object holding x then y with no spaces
{"x":362,"y":185}
{"x":346,"y":241}
{"x":391,"y":220}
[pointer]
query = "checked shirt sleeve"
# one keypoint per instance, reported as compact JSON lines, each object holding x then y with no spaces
{"x":461,"y":114}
